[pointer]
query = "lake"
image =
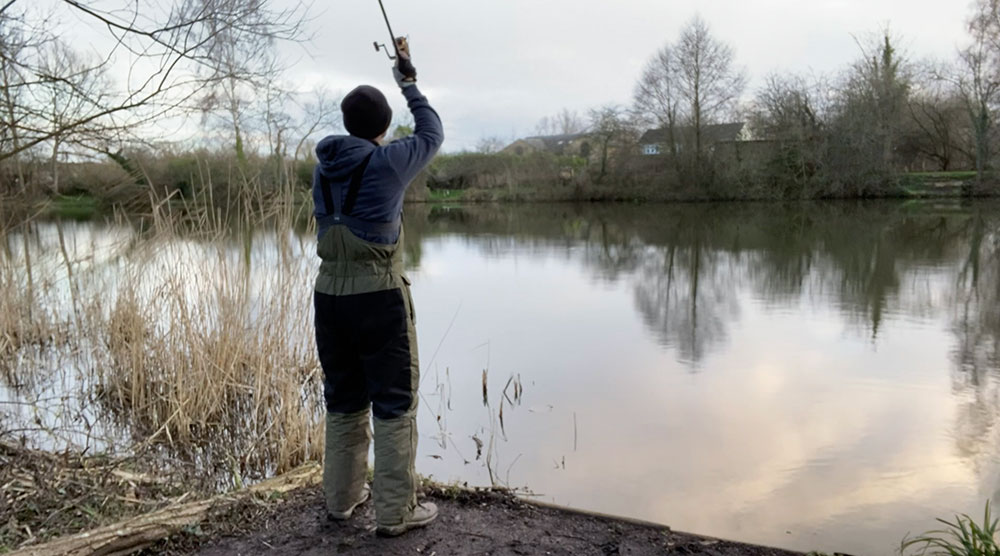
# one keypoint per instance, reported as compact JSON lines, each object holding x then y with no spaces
{"x":811,"y":376}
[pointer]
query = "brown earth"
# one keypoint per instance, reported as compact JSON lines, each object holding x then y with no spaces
{"x":470,"y":523}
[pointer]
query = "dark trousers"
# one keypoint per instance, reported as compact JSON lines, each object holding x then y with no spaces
{"x":364,"y":348}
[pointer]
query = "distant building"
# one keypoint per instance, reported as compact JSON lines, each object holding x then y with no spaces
{"x":657,"y":141}
{"x":574,"y":144}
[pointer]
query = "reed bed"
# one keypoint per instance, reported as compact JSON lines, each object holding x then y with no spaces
{"x":27,"y":323}
{"x":194,"y":337}
{"x":209,"y":341}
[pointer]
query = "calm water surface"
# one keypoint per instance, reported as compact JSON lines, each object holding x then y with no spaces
{"x":808,"y":376}
{"x":811,"y":376}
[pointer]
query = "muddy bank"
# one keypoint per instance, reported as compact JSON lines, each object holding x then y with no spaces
{"x":485,"y":523}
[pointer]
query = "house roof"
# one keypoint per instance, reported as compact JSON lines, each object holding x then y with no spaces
{"x":714,"y":133}
{"x":549,"y":142}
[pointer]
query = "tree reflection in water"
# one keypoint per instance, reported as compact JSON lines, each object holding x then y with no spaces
{"x":693,"y":268}
{"x":722,"y":289}
{"x":976,"y":316}
{"x":689,"y":262}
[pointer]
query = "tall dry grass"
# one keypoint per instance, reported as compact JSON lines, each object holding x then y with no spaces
{"x":27,"y":323}
{"x":208,"y":340}
{"x":195,"y":334}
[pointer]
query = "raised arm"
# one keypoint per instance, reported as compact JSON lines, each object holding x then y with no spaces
{"x":411,"y":154}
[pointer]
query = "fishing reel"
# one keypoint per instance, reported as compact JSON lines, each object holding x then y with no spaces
{"x":388,"y":52}
{"x":392,"y":53}
{"x":404,"y":63}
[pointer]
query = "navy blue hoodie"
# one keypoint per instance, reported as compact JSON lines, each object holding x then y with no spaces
{"x":390,"y":170}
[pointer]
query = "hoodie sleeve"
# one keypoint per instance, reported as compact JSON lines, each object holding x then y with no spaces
{"x":408,"y":156}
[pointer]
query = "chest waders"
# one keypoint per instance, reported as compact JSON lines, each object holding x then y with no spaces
{"x":367,"y":342}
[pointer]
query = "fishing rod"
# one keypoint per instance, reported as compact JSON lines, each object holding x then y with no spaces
{"x":405,"y":66}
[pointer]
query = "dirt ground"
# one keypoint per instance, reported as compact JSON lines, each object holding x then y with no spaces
{"x":484,"y":523}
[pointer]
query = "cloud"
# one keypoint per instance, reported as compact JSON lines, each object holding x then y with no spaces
{"x":502,"y":65}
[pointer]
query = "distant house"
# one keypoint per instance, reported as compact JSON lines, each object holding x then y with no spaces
{"x":657,"y":141}
{"x":574,"y":144}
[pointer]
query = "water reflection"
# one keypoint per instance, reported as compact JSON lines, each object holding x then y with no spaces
{"x":828,"y":370}
{"x":686,"y":263}
{"x":687,"y":298}
{"x":850,"y":354}
{"x":976,"y":325}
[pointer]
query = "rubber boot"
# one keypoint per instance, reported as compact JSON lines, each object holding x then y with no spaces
{"x":345,"y":462}
{"x":395,"y":476}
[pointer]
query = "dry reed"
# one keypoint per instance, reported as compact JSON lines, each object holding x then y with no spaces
{"x":209,"y":341}
{"x":27,"y":322}
{"x":196,"y":333}
{"x":46,"y":495}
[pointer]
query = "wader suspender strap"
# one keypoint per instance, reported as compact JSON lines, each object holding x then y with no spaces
{"x":327,"y":197}
{"x":352,"y":190}
{"x":334,"y":209}
{"x":342,"y":214}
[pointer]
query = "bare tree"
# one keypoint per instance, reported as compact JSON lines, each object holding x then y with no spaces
{"x":321,"y":111}
{"x":609,"y":128}
{"x":174,"y":52}
{"x":657,"y":99}
{"x":883,"y":80}
{"x":242,"y":72}
{"x":490,"y":145}
{"x":566,"y":122}
{"x":689,"y":85}
{"x":979,"y":80}
{"x":789,"y":112}
{"x":786,"y":108}
{"x":71,"y":86}
{"x":708,"y":78}
{"x":277,"y":120}
{"x":277,"y":124}
{"x":288,"y":121}
{"x":17,"y":43}
{"x":863,"y":133}
{"x":937,"y":119}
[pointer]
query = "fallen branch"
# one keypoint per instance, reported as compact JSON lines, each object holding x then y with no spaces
{"x":140,"y":532}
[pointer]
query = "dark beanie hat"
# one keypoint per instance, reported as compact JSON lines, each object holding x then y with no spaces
{"x":366,"y":112}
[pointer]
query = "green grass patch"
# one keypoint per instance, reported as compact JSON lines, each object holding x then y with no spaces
{"x":77,"y":207}
{"x":935,"y":184}
{"x":445,"y":195}
{"x":961,"y":175}
{"x":961,"y":537}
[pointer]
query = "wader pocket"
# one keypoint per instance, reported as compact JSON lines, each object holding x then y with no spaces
{"x":409,"y":299}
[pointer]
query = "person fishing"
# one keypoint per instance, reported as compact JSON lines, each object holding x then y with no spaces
{"x":364,"y":316}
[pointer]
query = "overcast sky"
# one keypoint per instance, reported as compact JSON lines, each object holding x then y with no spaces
{"x":495,"y":67}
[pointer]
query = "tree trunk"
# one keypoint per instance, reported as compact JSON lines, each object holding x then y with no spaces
{"x":55,"y":165}
{"x":15,"y":140}
{"x":981,"y":148}
{"x":604,"y":157}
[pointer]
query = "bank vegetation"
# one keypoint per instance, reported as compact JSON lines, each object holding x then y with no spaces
{"x":889,"y":124}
